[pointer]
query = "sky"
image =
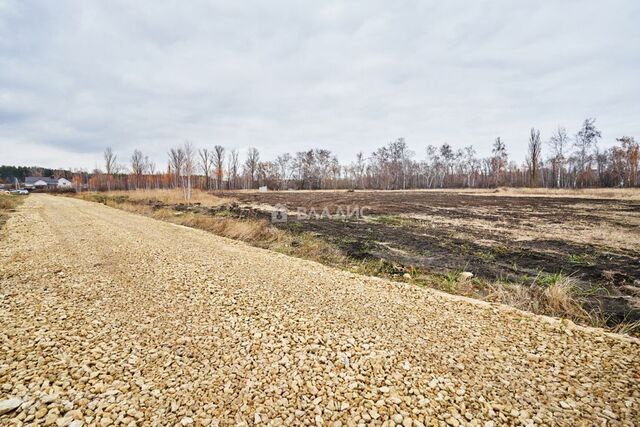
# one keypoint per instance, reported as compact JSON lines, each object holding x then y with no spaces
{"x":289,"y":75}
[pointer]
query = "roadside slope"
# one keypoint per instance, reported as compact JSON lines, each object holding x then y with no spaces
{"x":110,"y":317}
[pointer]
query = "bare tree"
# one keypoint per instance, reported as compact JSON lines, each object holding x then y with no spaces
{"x":471,"y":166}
{"x":251,"y":165}
{"x":206,"y":163}
{"x":631,"y":150}
{"x":558,"y":143}
{"x":335,"y":170}
{"x":499,"y":160}
{"x":150,"y":168}
{"x":218,"y":164}
{"x":570,"y":162}
{"x":233,"y":169}
{"x":533,"y":158}
{"x":284,"y":167}
{"x":359,"y":168}
{"x":585,"y":143}
{"x":321,"y":167}
{"x":137,"y":167}
{"x":189,"y":167}
{"x":110,"y":165}
{"x":176,"y":165}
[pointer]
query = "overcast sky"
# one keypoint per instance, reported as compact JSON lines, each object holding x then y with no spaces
{"x":77,"y":76}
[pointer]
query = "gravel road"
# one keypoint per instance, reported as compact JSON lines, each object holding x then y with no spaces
{"x":110,"y":318}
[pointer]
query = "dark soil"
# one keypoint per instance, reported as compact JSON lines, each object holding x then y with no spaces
{"x":609,"y":278}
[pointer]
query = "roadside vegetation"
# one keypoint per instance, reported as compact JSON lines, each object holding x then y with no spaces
{"x":554,"y":294}
{"x":221,"y":217}
{"x":8,"y":203}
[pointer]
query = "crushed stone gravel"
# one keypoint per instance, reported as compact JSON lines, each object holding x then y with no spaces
{"x":110,"y":318}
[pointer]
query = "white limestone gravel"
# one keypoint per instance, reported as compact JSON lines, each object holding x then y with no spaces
{"x":109,"y":318}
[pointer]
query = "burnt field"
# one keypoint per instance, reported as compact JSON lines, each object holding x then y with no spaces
{"x":516,"y":239}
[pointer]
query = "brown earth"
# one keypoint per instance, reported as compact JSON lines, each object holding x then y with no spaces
{"x":520,"y":239}
{"x":110,"y":318}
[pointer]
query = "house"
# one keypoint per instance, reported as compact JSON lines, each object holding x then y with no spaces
{"x":44,"y":182}
{"x":64,"y":183}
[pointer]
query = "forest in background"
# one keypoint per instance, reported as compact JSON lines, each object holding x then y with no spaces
{"x":562,"y":161}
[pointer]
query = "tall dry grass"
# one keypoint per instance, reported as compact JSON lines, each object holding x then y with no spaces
{"x":253,"y":231}
{"x":595,"y":193}
{"x":558,"y":298}
{"x":256,"y":232}
{"x":169,"y":196}
{"x":8,"y":202}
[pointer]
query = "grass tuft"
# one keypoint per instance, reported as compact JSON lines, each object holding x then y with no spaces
{"x":8,"y":203}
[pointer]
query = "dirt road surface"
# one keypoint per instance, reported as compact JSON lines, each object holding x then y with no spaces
{"x":109,"y":318}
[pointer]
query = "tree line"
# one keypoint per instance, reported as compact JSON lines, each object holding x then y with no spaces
{"x":560,"y":161}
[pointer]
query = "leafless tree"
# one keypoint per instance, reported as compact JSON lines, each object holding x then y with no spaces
{"x":251,"y":165}
{"x":399,"y":155}
{"x":232,"y":167}
{"x":586,"y":143}
{"x":631,"y":151}
{"x":471,"y":166}
{"x":534,"y":155}
{"x":110,"y":159}
{"x":499,"y":160}
{"x":150,"y":169}
{"x":558,"y":143}
{"x":359,"y":168}
{"x":218,"y":164}
{"x":284,"y":168}
{"x":206,"y":164}
{"x":570,"y":163}
{"x":176,"y":165}
{"x":137,"y":167}
{"x":110,"y":165}
{"x":189,"y":167}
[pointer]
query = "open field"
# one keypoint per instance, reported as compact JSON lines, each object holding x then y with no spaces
{"x":591,"y":241}
{"x":142,"y":322}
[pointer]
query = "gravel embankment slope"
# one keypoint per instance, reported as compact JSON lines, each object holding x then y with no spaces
{"x":110,"y":318}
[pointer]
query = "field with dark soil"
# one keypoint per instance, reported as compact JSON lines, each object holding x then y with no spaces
{"x":529,"y":240}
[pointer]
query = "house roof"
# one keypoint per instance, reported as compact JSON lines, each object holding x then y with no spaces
{"x":34,"y":179}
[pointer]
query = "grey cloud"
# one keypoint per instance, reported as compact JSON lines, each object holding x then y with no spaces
{"x":287,"y":75}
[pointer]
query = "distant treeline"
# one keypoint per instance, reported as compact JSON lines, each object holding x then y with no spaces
{"x":567,"y":162}
{"x":8,"y":174}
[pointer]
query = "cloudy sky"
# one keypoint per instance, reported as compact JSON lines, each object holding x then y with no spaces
{"x":77,"y":76}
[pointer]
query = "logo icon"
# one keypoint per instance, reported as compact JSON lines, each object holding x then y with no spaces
{"x":279,"y":214}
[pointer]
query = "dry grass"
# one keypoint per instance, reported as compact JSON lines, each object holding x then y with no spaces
{"x":595,"y":193}
{"x":591,"y":193}
{"x":169,"y":197}
{"x":255,"y":232}
{"x":8,"y":202}
{"x":632,"y":328}
{"x":259,"y":233}
{"x":557,"y":299}
{"x":612,"y":231}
